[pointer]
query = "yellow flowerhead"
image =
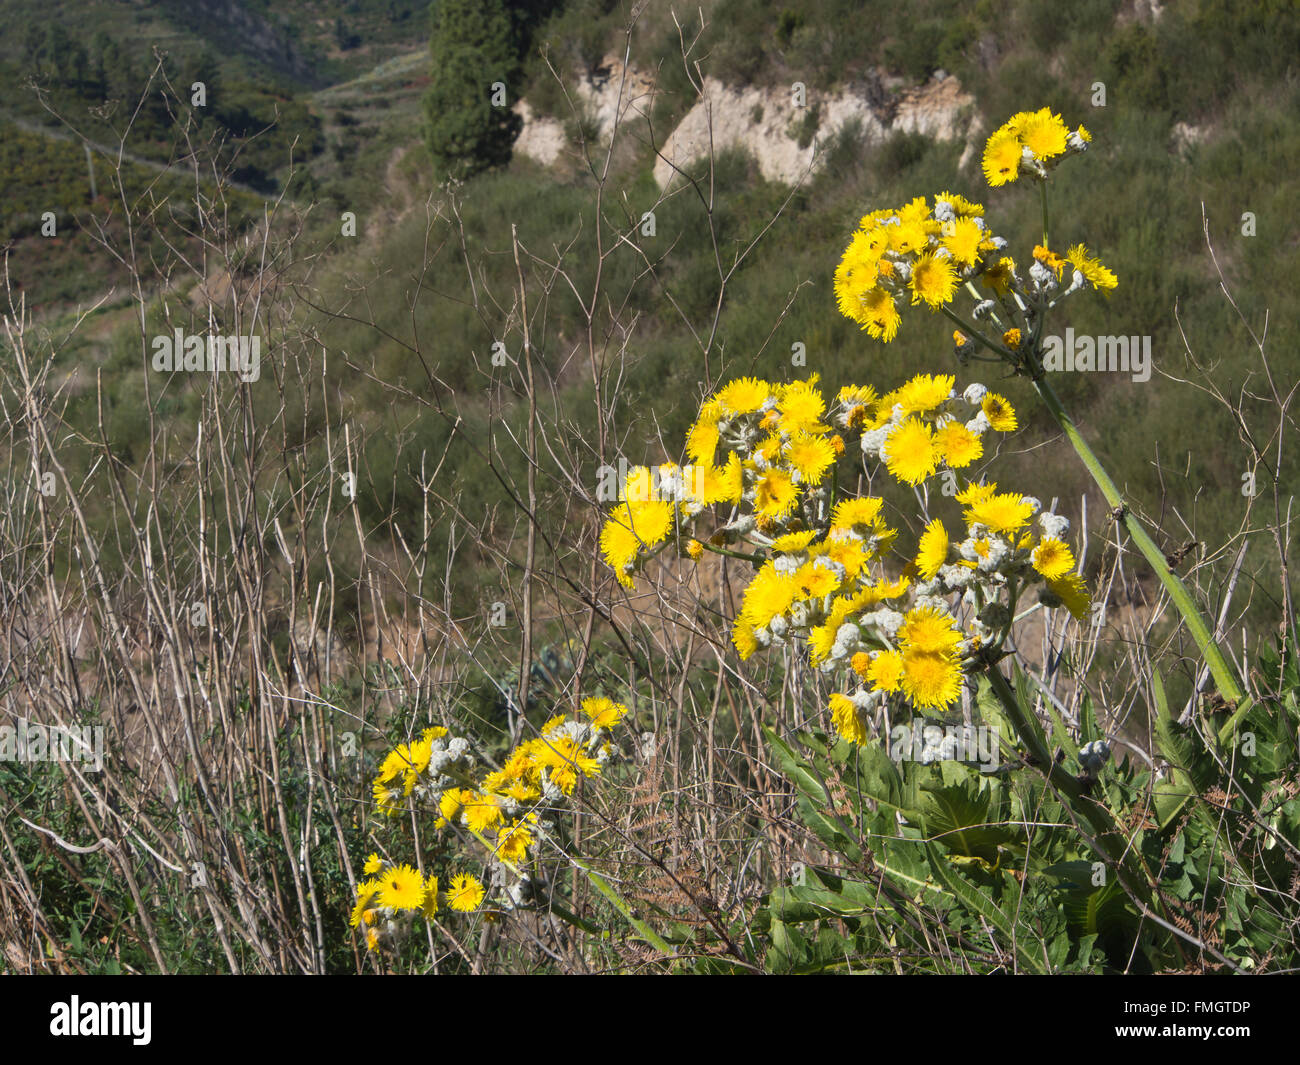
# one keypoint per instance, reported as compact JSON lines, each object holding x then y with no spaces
{"x":879,"y":315}
{"x":367,"y":892}
{"x":928,"y":629}
{"x":1094,"y":273}
{"x":1002,"y":157}
{"x":931,"y":680}
{"x":775,"y":494}
{"x":465,"y":893}
{"x":847,"y":720}
{"x":603,"y":713}
{"x":934,"y":280}
{"x":886,"y":671}
{"x":932,"y":552}
{"x":1044,"y":134}
{"x":1000,"y":413}
{"x":1002,"y":513}
{"x":958,"y":446}
{"x":923,"y":393}
{"x":1073,"y":592}
{"x":743,"y":395}
{"x":811,"y":455}
{"x":402,"y":888}
{"x":910,"y":453}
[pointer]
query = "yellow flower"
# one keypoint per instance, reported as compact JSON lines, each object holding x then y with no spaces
{"x":1011,"y":338}
{"x":367,"y":891}
{"x":775,"y":494}
{"x":631,"y":526}
{"x":861,"y":663}
{"x":1044,"y":134}
{"x":792,"y":543}
{"x":932,"y":552}
{"x":928,"y":629}
{"x":1097,"y":275}
{"x":906,"y":237}
{"x":373,"y":864}
{"x":957,"y":445}
{"x":694,"y":549}
{"x":962,"y":238}
{"x":1000,"y":413}
{"x":815,"y":582}
{"x":565,"y":758}
{"x":849,"y":553}
{"x":465,"y":893}
{"x":848,"y":722}
{"x":1003,"y":513}
{"x":923,"y":393}
{"x":430,"y":906}
{"x":1049,"y":259}
{"x":742,"y":635}
{"x":1002,"y":157}
{"x":482,"y":811}
{"x":619,"y":545}
{"x":811,"y":455}
{"x":1073,"y":592}
{"x":999,"y":276}
{"x":879,"y":316}
{"x":402,"y":888}
{"x":386,"y":797}
{"x":770,"y":594}
{"x":513,"y":843}
{"x":862,"y":511}
{"x":910,"y":453}
{"x":961,"y":207}
{"x":934,"y":280}
{"x":931,"y":679}
{"x":801,"y":405}
{"x":1052,"y":558}
{"x":857,"y":273}
{"x":603,"y":713}
{"x":977,"y":493}
{"x":743,"y":395}
{"x":886,"y":671}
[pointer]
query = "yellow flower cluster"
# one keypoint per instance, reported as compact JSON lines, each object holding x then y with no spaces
{"x":505,"y":809}
{"x":923,"y":254}
{"x":821,"y":578}
{"x":915,"y":254}
{"x":393,"y":894}
{"x":1030,"y":142}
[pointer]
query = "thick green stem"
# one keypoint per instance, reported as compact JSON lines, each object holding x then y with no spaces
{"x":1225,"y":677}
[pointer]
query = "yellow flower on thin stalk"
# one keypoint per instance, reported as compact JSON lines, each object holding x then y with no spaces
{"x":465,"y":893}
{"x":402,"y":888}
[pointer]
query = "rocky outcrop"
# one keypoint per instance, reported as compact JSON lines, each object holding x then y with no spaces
{"x":786,"y":129}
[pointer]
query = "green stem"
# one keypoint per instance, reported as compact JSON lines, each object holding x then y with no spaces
{"x":1107,"y":837}
{"x":1225,"y":677}
{"x":616,"y":900}
{"x":1003,"y":352}
{"x":731,"y":554}
{"x":1042,"y":193}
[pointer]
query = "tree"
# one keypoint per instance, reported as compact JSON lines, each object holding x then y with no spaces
{"x":470,"y":125}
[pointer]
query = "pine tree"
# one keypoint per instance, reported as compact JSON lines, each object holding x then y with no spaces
{"x":473,"y":48}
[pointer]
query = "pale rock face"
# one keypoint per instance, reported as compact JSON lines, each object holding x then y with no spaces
{"x":760,"y":120}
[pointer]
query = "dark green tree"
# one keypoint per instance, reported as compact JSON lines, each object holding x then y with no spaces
{"x":469,"y":123}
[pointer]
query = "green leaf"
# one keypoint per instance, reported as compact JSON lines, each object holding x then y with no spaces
{"x":977,"y":901}
{"x":958,"y":817}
